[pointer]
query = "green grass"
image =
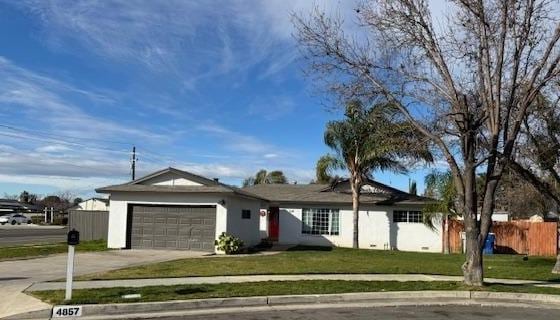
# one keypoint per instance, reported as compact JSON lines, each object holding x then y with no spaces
{"x":312,"y":260}
{"x":184,"y":292}
{"x":31,"y":251}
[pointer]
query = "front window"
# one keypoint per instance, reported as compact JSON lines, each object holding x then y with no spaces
{"x":410,"y":216}
{"x":320,"y":221}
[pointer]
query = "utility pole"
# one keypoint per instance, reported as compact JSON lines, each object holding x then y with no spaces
{"x":133,"y":163}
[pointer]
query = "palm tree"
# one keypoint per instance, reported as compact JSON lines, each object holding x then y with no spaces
{"x":370,"y":139}
{"x":325,"y":167}
{"x":264,"y":177}
{"x":439,"y":185}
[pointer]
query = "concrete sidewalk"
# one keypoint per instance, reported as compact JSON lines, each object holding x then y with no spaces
{"x":259,"y":278}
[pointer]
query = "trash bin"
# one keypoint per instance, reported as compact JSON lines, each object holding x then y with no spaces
{"x":489,"y":244}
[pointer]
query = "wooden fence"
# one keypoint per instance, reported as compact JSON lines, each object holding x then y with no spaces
{"x":92,"y":225}
{"x":514,"y":237}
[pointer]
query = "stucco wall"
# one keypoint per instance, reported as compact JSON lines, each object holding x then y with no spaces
{"x":170,"y":179}
{"x":376,"y":230}
{"x":246,"y":229}
{"x":92,"y":205}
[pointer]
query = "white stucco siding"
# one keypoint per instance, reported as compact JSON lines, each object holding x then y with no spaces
{"x":376,"y":230}
{"x":415,"y":236}
{"x":290,"y":227}
{"x":120,"y":201}
{"x":93,"y":205}
{"x":245,"y":229}
{"x":170,"y":179}
{"x":116,"y":233}
{"x":374,"y":227}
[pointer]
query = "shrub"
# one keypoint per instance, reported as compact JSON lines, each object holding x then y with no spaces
{"x":37,"y":220}
{"x":229,"y":244}
{"x":60,"y":221}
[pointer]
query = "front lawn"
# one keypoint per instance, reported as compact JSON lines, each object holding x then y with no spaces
{"x":32,"y":251}
{"x":312,"y":260}
{"x":269,"y":288}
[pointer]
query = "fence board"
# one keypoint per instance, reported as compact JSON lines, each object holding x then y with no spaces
{"x":514,"y":237}
{"x":92,"y":225}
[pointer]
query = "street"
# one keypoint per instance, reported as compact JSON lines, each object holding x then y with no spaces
{"x":401,"y":313}
{"x":31,"y":234}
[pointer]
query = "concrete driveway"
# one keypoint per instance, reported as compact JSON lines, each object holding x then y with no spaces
{"x":17,"y":275}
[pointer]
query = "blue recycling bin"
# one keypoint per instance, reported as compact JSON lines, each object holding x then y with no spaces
{"x":489,"y":244}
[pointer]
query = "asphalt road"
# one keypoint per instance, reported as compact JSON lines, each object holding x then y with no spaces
{"x":400,"y":313}
{"x":24,"y":234}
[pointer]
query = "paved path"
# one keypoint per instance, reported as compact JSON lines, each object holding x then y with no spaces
{"x":259,"y":278}
{"x":17,"y":275}
{"x":382,"y":313}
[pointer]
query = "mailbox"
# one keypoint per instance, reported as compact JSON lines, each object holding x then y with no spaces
{"x":73,"y":237}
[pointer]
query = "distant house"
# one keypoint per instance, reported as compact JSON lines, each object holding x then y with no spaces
{"x":93,"y":204}
{"x":321,"y":214}
{"x":10,"y":206}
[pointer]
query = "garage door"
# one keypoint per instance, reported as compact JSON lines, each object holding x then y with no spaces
{"x":173,"y":227}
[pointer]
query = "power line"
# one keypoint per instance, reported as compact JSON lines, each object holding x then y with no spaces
{"x":67,"y":143}
{"x":62,"y":136}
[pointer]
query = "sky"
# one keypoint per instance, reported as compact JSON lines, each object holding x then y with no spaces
{"x":216,"y":88}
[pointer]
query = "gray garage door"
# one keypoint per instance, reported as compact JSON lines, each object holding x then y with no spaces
{"x":173,"y":227}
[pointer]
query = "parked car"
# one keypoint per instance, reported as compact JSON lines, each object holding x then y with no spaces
{"x":14,"y":218}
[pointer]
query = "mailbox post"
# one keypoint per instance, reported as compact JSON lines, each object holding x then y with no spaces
{"x":73,"y":240}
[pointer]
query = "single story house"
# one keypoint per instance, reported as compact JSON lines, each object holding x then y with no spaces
{"x":174,"y":209}
{"x":92,"y":204}
{"x":8,"y":206}
{"x":321,"y":214}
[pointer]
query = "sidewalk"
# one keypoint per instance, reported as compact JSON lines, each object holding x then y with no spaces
{"x":259,"y":278}
{"x":17,"y":275}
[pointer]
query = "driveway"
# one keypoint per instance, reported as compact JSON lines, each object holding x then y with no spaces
{"x":17,"y":275}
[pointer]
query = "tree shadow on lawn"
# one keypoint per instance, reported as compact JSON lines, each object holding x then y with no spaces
{"x":191,"y":290}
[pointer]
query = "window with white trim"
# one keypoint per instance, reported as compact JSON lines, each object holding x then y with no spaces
{"x":410,"y":216}
{"x":320,"y":221}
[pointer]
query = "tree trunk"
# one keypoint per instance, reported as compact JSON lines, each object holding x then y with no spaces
{"x":446,"y":243}
{"x":556,"y":268}
{"x":356,"y":186}
{"x":472,"y":268}
{"x":355,"y":219}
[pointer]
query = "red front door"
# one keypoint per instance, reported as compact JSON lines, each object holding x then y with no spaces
{"x":273,"y":223}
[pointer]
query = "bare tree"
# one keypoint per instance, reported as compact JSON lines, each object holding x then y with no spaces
{"x":537,"y":156}
{"x":466,"y":82}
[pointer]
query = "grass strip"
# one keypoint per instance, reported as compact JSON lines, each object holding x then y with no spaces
{"x":268,"y":288}
{"x":321,"y":260}
{"x":31,"y":251}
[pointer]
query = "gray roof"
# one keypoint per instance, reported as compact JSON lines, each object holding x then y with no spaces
{"x":207,"y":185}
{"x":336,"y":193}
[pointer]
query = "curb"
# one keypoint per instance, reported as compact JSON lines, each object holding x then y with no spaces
{"x":264,"y":303}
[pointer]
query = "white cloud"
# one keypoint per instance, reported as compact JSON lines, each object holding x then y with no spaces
{"x":164,"y":36}
{"x":52,"y":148}
{"x":44,"y":100}
{"x":237,"y":141}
